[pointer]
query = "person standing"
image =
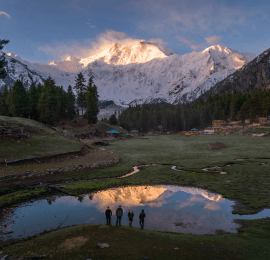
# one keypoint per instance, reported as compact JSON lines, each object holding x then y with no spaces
{"x":119,"y":214}
{"x":141,"y":217}
{"x":108,"y":214}
{"x":130,"y":217}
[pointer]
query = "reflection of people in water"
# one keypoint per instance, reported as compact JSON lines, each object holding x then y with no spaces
{"x":130,"y":217}
{"x":108,"y":214}
{"x":141,"y":217}
{"x":119,"y":214}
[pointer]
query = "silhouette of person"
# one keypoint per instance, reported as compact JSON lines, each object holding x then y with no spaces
{"x":108,"y":214}
{"x":119,"y":214}
{"x":130,"y":217}
{"x":141,"y":217}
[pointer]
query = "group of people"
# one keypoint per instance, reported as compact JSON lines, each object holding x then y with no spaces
{"x":119,"y":214}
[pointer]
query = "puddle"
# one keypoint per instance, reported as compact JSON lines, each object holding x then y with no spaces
{"x":167,"y":208}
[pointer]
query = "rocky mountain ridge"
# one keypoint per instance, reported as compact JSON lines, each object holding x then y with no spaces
{"x":254,"y":75}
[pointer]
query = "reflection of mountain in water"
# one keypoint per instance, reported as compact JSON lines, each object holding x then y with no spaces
{"x":128,"y":196}
{"x":154,"y":196}
{"x":195,"y":191}
{"x":160,"y":200}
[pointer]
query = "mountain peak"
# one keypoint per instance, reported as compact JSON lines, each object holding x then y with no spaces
{"x":224,"y":56}
{"x":118,"y":54}
{"x":218,"y":48}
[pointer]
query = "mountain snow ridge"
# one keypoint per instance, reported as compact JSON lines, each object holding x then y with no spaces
{"x":145,"y":72}
{"x":118,"y":54}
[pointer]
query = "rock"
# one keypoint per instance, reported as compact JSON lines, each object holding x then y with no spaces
{"x":102,"y":245}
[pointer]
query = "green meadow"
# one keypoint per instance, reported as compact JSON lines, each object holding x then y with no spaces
{"x":246,"y":161}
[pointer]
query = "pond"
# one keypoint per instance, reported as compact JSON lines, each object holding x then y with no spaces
{"x":167,"y":208}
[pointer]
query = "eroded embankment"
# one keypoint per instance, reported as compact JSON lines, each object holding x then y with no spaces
{"x":86,"y":158}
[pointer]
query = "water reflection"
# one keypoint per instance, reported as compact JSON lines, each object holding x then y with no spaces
{"x":167,"y":208}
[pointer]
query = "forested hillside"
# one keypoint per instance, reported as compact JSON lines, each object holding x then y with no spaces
{"x":233,"y":106}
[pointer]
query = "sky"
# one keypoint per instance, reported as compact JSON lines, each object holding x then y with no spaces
{"x":46,"y":30}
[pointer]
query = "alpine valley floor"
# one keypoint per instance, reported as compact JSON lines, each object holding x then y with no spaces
{"x":245,"y":160}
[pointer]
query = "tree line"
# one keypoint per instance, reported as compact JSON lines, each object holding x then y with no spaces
{"x":199,"y":114}
{"x":47,"y":102}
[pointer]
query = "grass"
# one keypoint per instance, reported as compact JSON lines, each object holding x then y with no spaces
{"x":192,"y":152}
{"x":20,"y":196}
{"x":247,"y":180}
{"x":80,"y":242}
{"x":43,"y":141}
{"x":259,"y":130}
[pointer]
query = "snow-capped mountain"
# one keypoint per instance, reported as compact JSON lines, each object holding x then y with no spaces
{"x":145,"y":72}
{"x":118,"y":54}
{"x":255,"y":75}
{"x":17,"y":70}
{"x":171,"y":79}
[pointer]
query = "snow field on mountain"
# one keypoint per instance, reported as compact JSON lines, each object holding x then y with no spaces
{"x":142,"y":73}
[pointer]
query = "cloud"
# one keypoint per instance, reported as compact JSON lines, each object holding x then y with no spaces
{"x":190,"y":43}
{"x":4,"y":13}
{"x":88,"y":47}
{"x":213,"y":39}
{"x":92,"y":26}
{"x":194,"y":17}
{"x":194,"y":46}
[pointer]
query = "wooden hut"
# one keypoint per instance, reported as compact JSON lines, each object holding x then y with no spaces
{"x":219,"y":123}
{"x":194,"y":131}
{"x":135,"y":133}
{"x":209,"y":132}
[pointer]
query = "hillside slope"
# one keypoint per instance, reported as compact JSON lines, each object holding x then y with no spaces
{"x":254,"y":75}
{"x":43,"y":141}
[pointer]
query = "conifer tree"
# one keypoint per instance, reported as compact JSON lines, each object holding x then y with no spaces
{"x":2,"y":61}
{"x":112,"y":120}
{"x":61,"y":102}
{"x":33,"y":101}
{"x":80,"y":90}
{"x":47,"y":104}
{"x":17,"y":100}
{"x":70,"y":103}
{"x":91,"y":95}
{"x":4,"y":108}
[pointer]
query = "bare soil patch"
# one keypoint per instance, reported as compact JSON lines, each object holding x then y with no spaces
{"x":218,"y":146}
{"x":69,"y":244}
